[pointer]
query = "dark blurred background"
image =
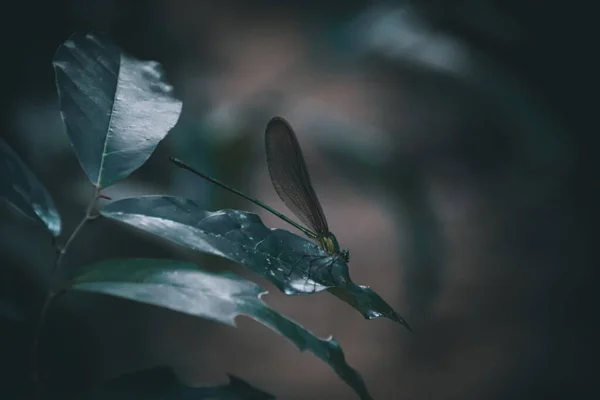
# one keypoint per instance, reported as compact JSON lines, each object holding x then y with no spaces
{"x":450,"y":142}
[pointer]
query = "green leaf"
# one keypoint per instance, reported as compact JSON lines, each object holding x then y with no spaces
{"x":162,"y":384}
{"x":183,"y":287}
{"x":116,"y":108}
{"x":294,"y":264}
{"x":20,"y":187}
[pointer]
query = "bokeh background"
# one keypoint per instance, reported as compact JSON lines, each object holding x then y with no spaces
{"x":450,"y":143}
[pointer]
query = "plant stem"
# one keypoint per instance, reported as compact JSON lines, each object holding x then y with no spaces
{"x":52,"y":293}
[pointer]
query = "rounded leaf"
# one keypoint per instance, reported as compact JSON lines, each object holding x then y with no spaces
{"x":116,"y":108}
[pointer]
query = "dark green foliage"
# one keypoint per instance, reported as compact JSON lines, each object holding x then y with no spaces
{"x":116,"y":109}
{"x":184,"y":287}
{"x":294,"y":264}
{"x":20,"y":187}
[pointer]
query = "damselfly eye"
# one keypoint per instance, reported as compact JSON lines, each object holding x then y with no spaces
{"x":345,"y":255}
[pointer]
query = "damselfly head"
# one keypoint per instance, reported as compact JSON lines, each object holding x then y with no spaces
{"x":345,"y":254}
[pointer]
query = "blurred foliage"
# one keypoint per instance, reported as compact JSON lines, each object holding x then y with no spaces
{"x":160,"y":383}
{"x":21,"y":189}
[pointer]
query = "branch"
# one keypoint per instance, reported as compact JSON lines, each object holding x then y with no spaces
{"x":52,"y":294}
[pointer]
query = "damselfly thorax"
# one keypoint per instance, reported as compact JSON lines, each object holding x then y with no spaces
{"x":331,"y":246}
